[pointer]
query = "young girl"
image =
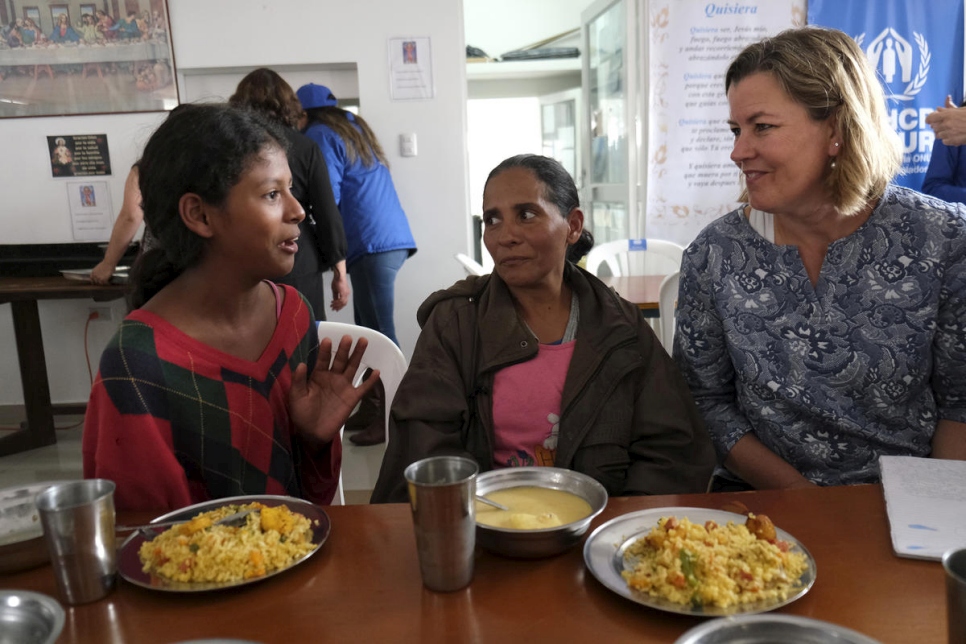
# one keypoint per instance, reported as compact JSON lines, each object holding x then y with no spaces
{"x":217,"y":385}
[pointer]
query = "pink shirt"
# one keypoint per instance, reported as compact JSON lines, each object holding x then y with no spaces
{"x":526,"y":407}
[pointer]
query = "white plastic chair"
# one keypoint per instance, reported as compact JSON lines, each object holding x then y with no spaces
{"x":669,"y":304}
{"x":382,"y":354}
{"x":470,"y":265}
{"x":636,"y":257}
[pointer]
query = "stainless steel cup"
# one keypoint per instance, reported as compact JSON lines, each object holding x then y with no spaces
{"x":442,"y":490}
{"x":78,"y":520}
{"x":954,"y":563}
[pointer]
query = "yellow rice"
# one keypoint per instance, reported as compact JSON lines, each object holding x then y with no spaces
{"x":197,"y":551}
{"x":711,"y":565}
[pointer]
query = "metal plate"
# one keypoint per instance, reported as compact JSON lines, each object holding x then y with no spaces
{"x":29,"y":618}
{"x":21,"y":534}
{"x":129,"y":563}
{"x":605,"y":548}
{"x":767,"y":629}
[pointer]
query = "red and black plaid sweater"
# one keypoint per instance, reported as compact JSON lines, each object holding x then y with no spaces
{"x":173,"y":421}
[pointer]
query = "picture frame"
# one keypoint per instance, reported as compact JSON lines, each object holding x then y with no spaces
{"x":64,"y":59}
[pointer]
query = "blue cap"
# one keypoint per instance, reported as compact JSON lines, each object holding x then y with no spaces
{"x":312,"y":96}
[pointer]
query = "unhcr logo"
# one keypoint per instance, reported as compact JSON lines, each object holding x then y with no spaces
{"x":891,"y":56}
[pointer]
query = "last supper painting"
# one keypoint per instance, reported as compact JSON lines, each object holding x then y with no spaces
{"x":59,"y":58}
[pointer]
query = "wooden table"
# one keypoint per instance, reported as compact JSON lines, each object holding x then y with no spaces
{"x":643,"y":290}
{"x":23,"y":293}
{"x":364,"y":586}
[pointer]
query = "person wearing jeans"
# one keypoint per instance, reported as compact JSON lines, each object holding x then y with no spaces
{"x":376,"y":227}
{"x":374,"y":277}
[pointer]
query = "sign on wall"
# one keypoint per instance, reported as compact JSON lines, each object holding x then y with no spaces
{"x":916,"y":49}
{"x":691,"y":179}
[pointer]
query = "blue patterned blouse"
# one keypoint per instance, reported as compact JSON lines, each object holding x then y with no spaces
{"x":830,"y":377}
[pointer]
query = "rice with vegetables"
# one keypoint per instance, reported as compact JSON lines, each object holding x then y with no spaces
{"x":712,"y":565}
{"x":198,"y":551}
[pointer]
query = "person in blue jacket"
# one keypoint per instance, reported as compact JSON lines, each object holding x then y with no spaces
{"x":376,"y":228}
{"x":946,"y":176}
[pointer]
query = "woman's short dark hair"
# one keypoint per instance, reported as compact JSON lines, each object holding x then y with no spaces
{"x":202,"y":149}
{"x":558,"y":188}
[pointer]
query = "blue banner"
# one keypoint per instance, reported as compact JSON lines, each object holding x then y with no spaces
{"x":916,"y":48}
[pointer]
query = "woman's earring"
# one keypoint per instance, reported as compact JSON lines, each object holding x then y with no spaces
{"x":833,"y":163}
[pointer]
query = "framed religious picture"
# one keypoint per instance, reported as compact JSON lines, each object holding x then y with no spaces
{"x":65,"y":59}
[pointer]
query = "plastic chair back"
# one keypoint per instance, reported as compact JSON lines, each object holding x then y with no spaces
{"x":635,"y":257}
{"x":382,"y":354}
{"x":668,"y":302}
{"x":470,"y":265}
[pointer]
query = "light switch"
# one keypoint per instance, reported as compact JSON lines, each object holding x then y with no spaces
{"x":407,"y":144}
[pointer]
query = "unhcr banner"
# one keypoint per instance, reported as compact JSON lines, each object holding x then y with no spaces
{"x":916,"y":48}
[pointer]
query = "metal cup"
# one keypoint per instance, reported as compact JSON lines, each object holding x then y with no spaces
{"x":954,"y":563}
{"x":442,"y":490}
{"x":78,"y":520}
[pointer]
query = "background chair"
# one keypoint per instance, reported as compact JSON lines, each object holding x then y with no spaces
{"x":635,"y":257}
{"x":470,"y":265}
{"x":669,"y":307}
{"x":382,"y":354}
{"x":630,"y":257}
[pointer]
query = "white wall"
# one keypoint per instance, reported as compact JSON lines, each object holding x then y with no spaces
{"x":432,"y":186}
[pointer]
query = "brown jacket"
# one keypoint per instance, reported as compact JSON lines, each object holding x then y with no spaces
{"x":627,"y":418}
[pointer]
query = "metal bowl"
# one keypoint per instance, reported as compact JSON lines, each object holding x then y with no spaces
{"x":549,"y":541}
{"x":766,"y":629}
{"x":21,"y":535}
{"x":29,"y":618}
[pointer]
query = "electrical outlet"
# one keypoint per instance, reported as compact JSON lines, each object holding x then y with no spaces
{"x":104,"y":313}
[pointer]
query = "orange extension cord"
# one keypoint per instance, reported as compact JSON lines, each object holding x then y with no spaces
{"x":90,"y":373}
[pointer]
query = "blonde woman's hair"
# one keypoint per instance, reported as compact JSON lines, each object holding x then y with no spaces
{"x":360,"y":142}
{"x":826,"y":72}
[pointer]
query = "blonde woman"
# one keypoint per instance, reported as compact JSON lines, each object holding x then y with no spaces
{"x":820,"y":325}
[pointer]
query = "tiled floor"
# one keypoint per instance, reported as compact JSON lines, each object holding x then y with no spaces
{"x":360,"y":465}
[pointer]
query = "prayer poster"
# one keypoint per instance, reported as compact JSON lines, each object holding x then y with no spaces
{"x":79,"y":155}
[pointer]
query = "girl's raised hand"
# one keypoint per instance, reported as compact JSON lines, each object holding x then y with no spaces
{"x":320,"y":405}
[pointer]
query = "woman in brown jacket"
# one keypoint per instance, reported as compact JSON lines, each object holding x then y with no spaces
{"x":540,"y":363}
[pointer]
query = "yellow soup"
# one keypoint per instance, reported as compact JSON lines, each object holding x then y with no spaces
{"x":532,"y":508}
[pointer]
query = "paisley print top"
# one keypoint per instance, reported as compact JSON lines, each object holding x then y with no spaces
{"x":832,"y":376}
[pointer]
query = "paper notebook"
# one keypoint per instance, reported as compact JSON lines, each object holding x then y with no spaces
{"x":926,"y":503}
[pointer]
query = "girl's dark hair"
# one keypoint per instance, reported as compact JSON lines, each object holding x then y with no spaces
{"x":360,"y":142}
{"x":558,"y":188}
{"x":202,"y":149}
{"x":265,"y":91}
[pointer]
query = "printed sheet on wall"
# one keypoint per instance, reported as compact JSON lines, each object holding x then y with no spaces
{"x":691,"y":180}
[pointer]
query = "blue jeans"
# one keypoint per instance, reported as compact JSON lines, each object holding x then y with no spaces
{"x":373,"y":290}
